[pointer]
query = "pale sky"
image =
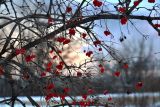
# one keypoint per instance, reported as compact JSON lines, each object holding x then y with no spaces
{"x":132,"y":36}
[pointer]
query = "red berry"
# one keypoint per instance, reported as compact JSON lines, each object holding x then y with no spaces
{"x":97,"y":42}
{"x":125,"y":66}
{"x":72,"y":31}
{"x":139,"y":85}
{"x":60,"y":39}
{"x":102,"y":69}
{"x":84,"y":96}
{"x":1,"y":70}
{"x":29,"y":58}
{"x":97,"y":3}
{"x":110,"y":99}
{"x":50,"y":20}
{"x":60,"y":67}
{"x":151,"y":1}
{"x":66,"y":90}
{"x":20,"y":51}
{"x":117,"y":73}
{"x":43,"y":74}
{"x":122,"y":9}
{"x":50,"y":86}
{"x":68,"y":9}
{"x":90,"y":91}
{"x":49,"y":65}
{"x":124,"y":20}
{"x":136,"y":3}
{"x":66,"y":41}
{"x":156,"y":25}
{"x":89,"y":53}
{"x":100,"y":49}
{"x":105,"y":92}
{"x":84,"y":35}
{"x":100,"y":65}
{"x":107,"y":33}
{"x":79,"y":74}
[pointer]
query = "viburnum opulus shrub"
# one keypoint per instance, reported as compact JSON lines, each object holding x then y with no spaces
{"x":59,"y":44}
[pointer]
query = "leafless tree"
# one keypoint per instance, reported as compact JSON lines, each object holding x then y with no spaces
{"x":35,"y":33}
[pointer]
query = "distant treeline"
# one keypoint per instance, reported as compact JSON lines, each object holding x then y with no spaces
{"x":98,"y":84}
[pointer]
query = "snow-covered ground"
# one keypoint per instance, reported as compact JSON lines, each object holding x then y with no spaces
{"x":41,"y":100}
